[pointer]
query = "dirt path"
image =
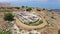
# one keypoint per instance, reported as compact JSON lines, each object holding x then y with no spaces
{"x":18,"y":22}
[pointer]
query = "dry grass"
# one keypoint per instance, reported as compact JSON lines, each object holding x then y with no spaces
{"x":2,"y":22}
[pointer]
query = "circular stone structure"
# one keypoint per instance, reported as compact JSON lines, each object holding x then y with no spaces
{"x":27,"y":27}
{"x":29,"y":18}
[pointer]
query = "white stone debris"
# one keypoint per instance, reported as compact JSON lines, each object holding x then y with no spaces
{"x":28,"y":17}
{"x":16,"y":30}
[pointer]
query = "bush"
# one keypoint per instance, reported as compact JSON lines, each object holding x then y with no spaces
{"x":30,"y":33}
{"x":52,"y":17}
{"x":38,"y":9}
{"x":28,"y":9}
{"x":37,"y":29}
{"x":41,"y":21}
{"x":8,"y":16}
{"x":5,"y":32}
{"x":59,"y":31}
{"x":43,"y":8}
{"x":22,"y":6}
{"x":9,"y":7}
{"x":17,"y":7}
{"x":34,"y":23}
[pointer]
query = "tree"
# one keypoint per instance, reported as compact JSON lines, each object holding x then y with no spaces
{"x":8,"y":17}
{"x":43,"y":8}
{"x":22,"y":6}
{"x":28,"y":9}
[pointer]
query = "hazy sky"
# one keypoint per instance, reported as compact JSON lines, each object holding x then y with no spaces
{"x":31,"y":0}
{"x":46,"y":3}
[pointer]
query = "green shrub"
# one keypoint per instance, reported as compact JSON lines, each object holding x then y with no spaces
{"x":30,"y":33}
{"x":2,"y":8}
{"x":28,"y":9}
{"x":9,"y":7}
{"x":34,"y":23}
{"x":59,"y":31}
{"x":8,"y":17}
{"x":43,"y":8}
{"x":22,"y":6}
{"x":36,"y":33}
{"x":5,"y":32}
{"x":38,"y":9}
{"x":52,"y":17}
{"x":41,"y":21}
{"x":17,"y":7}
{"x":37,"y":29}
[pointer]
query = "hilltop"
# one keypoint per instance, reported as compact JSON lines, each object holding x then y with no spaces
{"x":50,"y":23}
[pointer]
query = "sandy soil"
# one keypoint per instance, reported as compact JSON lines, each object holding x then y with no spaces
{"x":56,"y":23}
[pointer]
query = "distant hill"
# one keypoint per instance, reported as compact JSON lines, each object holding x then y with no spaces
{"x":5,"y":5}
{"x":57,"y":10}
